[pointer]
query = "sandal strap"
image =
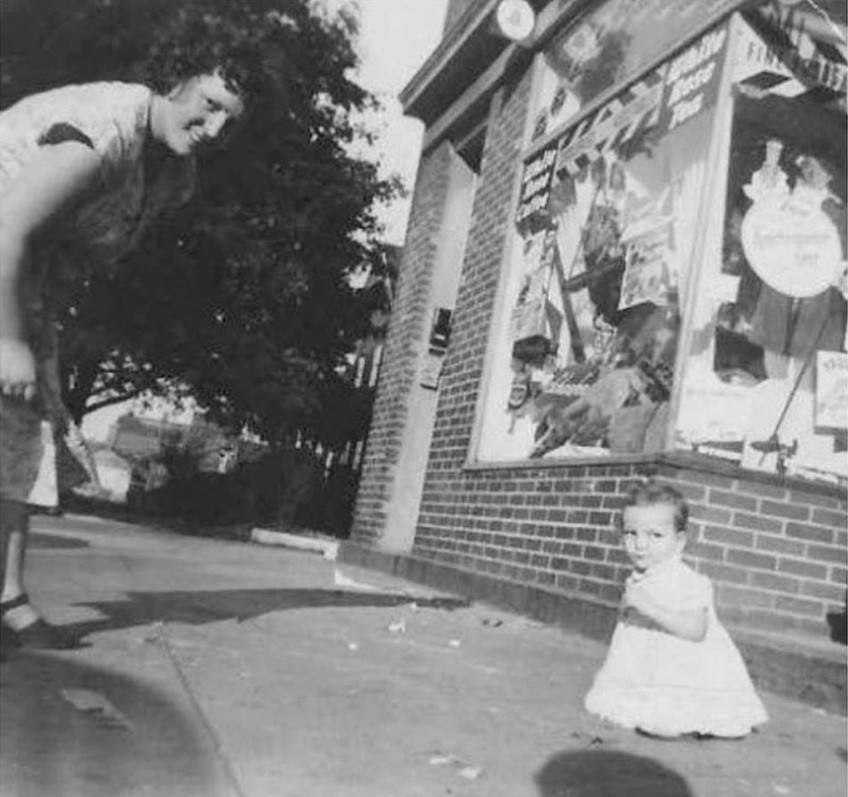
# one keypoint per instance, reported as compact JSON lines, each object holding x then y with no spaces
{"x":14,"y":603}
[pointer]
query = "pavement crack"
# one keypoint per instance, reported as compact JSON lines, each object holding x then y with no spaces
{"x":220,"y":752}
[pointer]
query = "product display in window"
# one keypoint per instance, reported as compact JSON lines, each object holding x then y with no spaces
{"x":774,"y":304}
{"x":704,"y":203}
{"x":594,"y":324}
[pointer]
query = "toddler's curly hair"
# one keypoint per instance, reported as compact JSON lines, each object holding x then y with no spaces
{"x":650,"y":492}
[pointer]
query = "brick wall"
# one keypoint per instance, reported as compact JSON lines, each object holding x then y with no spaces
{"x":776,"y":554}
{"x":406,"y":336}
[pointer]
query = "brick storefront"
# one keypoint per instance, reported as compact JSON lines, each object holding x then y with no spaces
{"x":540,"y":535}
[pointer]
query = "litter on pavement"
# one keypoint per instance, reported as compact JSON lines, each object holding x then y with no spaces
{"x":97,"y":705}
{"x":464,"y":769}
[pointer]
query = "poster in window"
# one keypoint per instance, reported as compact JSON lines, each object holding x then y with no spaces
{"x":832,"y":389}
{"x":597,"y":280}
{"x":609,"y":46}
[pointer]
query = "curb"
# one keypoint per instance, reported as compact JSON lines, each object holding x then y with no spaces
{"x":327,"y":547}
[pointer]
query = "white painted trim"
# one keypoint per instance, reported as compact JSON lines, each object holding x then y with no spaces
{"x":403,"y":505}
{"x":329,"y":548}
{"x":563,"y":462}
{"x":713,"y":203}
{"x":511,"y":244}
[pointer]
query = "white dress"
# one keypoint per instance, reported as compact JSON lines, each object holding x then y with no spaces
{"x":664,"y":684}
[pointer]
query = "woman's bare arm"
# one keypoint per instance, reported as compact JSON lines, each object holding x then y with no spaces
{"x":47,"y":186}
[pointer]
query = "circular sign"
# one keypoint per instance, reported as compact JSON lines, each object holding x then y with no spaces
{"x":516,"y":19}
{"x":793,"y":247}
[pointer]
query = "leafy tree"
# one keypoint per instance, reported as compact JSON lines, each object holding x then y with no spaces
{"x":239,"y":298}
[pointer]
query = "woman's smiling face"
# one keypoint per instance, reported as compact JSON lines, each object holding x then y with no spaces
{"x":199,"y":112}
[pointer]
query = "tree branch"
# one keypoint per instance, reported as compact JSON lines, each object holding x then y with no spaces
{"x":109,"y":401}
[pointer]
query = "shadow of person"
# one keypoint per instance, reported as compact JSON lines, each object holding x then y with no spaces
{"x":597,"y":773}
{"x":68,"y":727}
{"x":52,"y":542}
{"x":210,"y":606}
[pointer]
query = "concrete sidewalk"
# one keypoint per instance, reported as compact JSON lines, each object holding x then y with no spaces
{"x":219,"y":668}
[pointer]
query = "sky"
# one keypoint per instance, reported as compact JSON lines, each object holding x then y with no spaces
{"x":396,"y":37}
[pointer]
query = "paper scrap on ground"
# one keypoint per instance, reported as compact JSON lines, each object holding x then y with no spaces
{"x":464,"y":770}
{"x":441,"y":760}
{"x":97,"y":704}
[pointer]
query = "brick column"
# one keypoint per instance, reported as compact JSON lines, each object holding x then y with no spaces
{"x":406,"y":336}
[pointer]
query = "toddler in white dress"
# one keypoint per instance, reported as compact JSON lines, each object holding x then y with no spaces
{"x":672,"y":668}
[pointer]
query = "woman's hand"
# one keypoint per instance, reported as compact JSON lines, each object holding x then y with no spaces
{"x":17,"y":369}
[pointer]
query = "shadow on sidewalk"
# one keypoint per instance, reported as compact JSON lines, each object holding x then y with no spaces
{"x":200,"y":607}
{"x":70,"y":728}
{"x":51,"y":542}
{"x":597,"y":773}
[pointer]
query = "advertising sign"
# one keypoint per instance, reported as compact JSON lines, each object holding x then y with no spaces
{"x":692,"y":80}
{"x":832,"y":389}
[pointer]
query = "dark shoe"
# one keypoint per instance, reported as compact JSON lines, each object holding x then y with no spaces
{"x":39,"y":635}
{"x":6,"y":643}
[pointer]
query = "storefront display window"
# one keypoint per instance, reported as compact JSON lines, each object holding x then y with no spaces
{"x":677,"y":280}
{"x":606,"y":224}
{"x":765,"y":378}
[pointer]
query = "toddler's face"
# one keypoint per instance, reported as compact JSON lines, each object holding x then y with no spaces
{"x":650,"y":537}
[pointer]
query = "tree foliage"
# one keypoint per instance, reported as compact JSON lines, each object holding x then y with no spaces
{"x":239,"y":297}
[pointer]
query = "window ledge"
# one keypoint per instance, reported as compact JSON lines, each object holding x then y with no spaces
{"x":681,"y":459}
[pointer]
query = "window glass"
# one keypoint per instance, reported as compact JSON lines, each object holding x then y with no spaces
{"x":765,"y":381}
{"x":584,"y":358}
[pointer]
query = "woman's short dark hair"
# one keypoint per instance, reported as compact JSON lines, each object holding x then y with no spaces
{"x":196,"y":41}
{"x":651,"y":492}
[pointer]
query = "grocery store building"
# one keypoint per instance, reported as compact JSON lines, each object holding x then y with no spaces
{"x":625,"y":257}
